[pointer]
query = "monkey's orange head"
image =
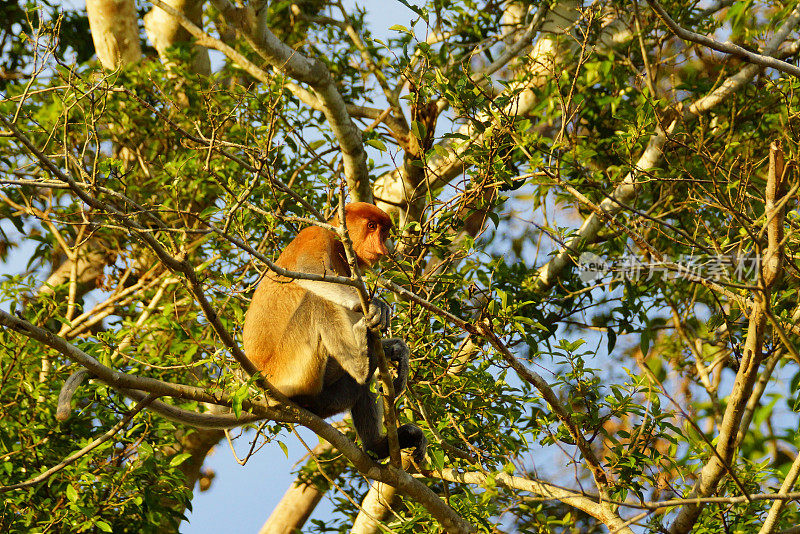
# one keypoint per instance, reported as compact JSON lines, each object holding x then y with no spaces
{"x":369,"y":228}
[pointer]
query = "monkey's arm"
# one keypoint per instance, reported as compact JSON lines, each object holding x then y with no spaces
{"x":345,"y":334}
{"x":344,"y":337}
{"x":339,"y":294}
{"x":347,"y":297}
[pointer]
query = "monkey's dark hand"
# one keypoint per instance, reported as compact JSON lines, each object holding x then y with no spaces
{"x":396,"y":350}
{"x":378,"y":315}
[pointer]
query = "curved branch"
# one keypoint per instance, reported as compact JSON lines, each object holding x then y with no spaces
{"x":125,"y":382}
{"x":191,"y":418}
{"x":277,"y":408}
{"x":67,"y":392}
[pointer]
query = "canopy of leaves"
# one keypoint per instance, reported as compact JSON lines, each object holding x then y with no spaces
{"x":603,"y":133}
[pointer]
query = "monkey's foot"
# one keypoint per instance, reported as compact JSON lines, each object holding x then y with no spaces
{"x":411,"y":436}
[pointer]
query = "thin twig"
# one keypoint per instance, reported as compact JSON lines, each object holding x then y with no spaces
{"x":141,"y":405}
{"x":726,"y":48}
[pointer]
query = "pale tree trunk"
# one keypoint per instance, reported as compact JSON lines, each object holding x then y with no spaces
{"x":374,"y":508}
{"x":114,"y":32}
{"x":297,"y":504}
{"x":293,"y":510}
{"x":165,"y":31}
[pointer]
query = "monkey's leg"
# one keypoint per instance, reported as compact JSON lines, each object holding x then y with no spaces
{"x":368,"y":420}
{"x":334,"y":398}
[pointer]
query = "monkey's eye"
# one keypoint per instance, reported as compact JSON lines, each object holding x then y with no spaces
{"x":372,"y":225}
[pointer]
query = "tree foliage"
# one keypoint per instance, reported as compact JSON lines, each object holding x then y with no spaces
{"x":594,"y":265}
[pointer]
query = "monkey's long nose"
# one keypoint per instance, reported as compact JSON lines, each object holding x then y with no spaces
{"x":383,"y":248}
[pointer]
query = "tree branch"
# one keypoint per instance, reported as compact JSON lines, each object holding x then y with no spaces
{"x":775,"y":510}
{"x":141,"y":405}
{"x":748,"y":372}
{"x":314,"y":73}
{"x":726,"y":48}
{"x":591,"y":505}
{"x":624,"y":192}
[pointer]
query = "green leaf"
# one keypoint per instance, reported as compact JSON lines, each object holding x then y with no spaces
{"x":644,"y":342}
{"x":412,"y":7}
{"x":238,"y":397}
{"x":377,"y":143}
{"x":179,"y":459}
{"x":437,"y":458}
{"x":612,"y":340}
{"x":419,"y":130}
{"x":72,"y":494}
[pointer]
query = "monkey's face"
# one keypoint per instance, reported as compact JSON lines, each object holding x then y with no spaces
{"x":369,"y":228}
{"x":373,"y":244}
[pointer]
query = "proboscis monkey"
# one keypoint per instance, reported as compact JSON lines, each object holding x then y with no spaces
{"x":310,"y":339}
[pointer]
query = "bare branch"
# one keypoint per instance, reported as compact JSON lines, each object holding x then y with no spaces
{"x":314,"y":73}
{"x":591,"y":505}
{"x":775,"y":511}
{"x":68,"y":390}
{"x":726,"y":48}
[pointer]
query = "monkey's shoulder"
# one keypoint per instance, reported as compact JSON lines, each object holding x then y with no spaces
{"x":315,"y":250}
{"x":312,"y":240}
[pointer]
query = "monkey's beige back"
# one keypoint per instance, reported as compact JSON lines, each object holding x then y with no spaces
{"x":286,"y":331}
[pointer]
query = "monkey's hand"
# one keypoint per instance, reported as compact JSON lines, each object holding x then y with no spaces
{"x":378,"y":315}
{"x":396,"y":350}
